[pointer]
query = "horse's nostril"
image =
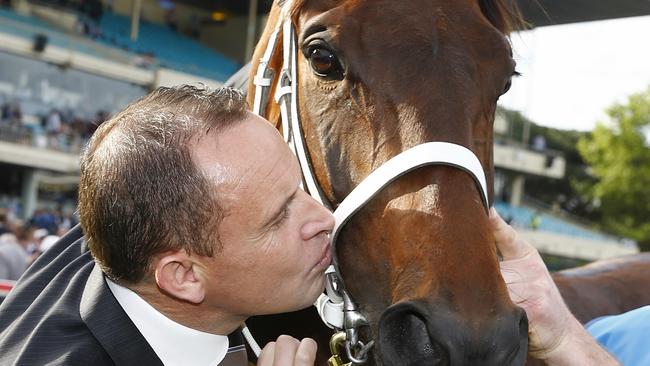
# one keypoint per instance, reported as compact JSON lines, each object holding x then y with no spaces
{"x":404,"y":339}
{"x":415,"y":333}
{"x":523,"y":325}
{"x":523,"y":340}
{"x":518,"y":343}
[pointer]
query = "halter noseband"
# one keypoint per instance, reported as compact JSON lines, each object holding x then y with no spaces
{"x":336,"y":307}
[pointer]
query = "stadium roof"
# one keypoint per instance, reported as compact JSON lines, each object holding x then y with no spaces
{"x":537,"y":12}
{"x":552,"y":12}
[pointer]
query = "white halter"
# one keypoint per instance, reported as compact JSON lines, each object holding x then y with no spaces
{"x":336,"y":308}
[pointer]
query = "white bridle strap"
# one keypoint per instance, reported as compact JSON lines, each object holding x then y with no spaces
{"x":287,"y":96}
{"x":430,"y":153}
{"x":264,"y":75}
{"x":331,"y":312}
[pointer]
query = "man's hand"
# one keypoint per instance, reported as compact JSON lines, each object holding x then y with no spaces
{"x":555,"y":335}
{"x":288,"y":351}
{"x":531,"y":287}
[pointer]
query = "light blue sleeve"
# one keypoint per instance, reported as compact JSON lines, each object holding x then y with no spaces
{"x":626,"y":336}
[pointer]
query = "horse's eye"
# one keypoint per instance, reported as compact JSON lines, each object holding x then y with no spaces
{"x":323,"y":61}
{"x":509,"y":82}
{"x":507,"y":87}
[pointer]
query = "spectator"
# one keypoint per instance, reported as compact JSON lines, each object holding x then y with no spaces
{"x":44,"y":219}
{"x":48,"y":242}
{"x":13,"y":257}
{"x":38,"y":236}
{"x":539,"y":143}
{"x":4,"y":221}
{"x":535,"y":221}
{"x":53,"y":122}
{"x":4,"y":112}
{"x":624,"y":335}
{"x":11,"y":114}
{"x":170,"y":13}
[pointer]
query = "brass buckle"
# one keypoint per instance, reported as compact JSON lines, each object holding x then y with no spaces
{"x":337,"y":342}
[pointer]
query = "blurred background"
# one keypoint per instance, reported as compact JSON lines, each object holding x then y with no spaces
{"x":571,"y":149}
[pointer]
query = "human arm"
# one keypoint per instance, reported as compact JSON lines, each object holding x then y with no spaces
{"x":288,"y":351}
{"x":555,"y":335}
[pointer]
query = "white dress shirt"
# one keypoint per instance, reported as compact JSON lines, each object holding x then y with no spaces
{"x":175,"y":344}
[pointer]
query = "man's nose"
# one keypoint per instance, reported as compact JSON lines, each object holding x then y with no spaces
{"x":319,"y":219}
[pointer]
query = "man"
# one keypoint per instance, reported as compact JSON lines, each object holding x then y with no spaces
{"x":625,"y":335}
{"x":14,"y":257}
{"x":193,"y":214}
{"x":194,"y":218}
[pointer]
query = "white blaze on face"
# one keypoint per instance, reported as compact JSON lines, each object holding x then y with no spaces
{"x":426,"y":201}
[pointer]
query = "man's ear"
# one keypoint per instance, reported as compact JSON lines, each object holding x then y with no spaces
{"x":176,"y":275}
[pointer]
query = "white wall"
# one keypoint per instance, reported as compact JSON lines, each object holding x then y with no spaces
{"x":77,"y":60}
{"x":527,"y":161}
{"x":33,"y":157}
{"x":575,"y":247}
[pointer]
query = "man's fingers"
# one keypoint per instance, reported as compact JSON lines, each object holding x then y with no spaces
{"x":510,"y":246}
{"x":285,"y":350}
{"x":306,"y":355}
{"x":267,"y":355}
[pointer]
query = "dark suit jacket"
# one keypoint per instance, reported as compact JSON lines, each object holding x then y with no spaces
{"x":62,"y":313}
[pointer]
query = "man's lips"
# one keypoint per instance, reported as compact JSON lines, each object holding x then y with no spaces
{"x":326,"y":258}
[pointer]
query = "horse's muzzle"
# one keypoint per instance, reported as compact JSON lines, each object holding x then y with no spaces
{"x":416,"y":333}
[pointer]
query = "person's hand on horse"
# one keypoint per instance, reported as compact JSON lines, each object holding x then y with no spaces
{"x":288,"y":351}
{"x":555,"y":335}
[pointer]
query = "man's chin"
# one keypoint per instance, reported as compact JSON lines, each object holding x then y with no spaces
{"x":309,"y":300}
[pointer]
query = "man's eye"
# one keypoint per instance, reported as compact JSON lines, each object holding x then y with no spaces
{"x":284,"y":215}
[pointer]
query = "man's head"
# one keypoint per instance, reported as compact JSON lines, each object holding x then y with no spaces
{"x":187,"y":189}
{"x":140,"y":192}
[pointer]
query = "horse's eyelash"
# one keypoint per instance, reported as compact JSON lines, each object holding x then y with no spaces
{"x":516,"y":74}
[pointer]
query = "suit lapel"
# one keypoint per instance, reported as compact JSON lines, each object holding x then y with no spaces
{"x":111,"y":326}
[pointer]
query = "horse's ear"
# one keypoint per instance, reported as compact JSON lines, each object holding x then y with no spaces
{"x":504,"y":15}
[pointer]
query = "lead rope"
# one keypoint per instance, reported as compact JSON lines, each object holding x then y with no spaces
{"x":251,"y":341}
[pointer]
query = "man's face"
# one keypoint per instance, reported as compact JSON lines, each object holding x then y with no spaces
{"x":274,"y":235}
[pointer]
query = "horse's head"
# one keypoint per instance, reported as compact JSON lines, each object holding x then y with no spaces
{"x":377,"y":77}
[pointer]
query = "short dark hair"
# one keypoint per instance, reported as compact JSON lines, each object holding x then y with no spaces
{"x":140,"y":192}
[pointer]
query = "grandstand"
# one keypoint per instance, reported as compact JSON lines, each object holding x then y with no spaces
{"x":65,"y":71}
{"x":171,"y":49}
{"x":551,"y":230}
{"x":164,"y":47}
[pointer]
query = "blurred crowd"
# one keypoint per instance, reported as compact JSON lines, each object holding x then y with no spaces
{"x":57,"y":130}
{"x":21,"y":242}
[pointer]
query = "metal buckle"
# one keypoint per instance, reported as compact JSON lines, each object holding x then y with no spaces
{"x":337,"y":340}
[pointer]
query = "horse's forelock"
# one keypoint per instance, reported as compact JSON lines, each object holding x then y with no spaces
{"x":505,"y":15}
{"x":295,"y":6}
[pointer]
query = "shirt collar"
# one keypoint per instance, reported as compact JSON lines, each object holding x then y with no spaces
{"x":175,"y":344}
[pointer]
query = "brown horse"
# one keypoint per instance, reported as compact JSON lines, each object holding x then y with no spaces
{"x":606,"y":287}
{"x":377,"y":77}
